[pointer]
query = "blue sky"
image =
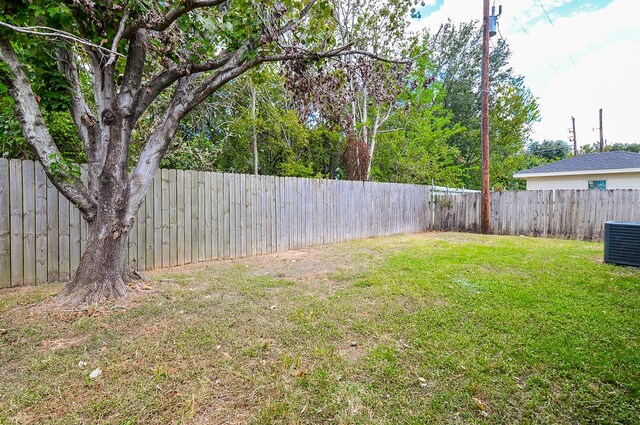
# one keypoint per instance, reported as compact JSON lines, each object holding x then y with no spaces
{"x":584,"y":56}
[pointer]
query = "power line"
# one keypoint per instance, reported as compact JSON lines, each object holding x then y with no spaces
{"x":520,"y":25}
{"x":545,"y":13}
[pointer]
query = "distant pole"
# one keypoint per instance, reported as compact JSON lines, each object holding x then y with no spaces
{"x":486,"y":200}
{"x":601,"y":133}
{"x":575,"y":142}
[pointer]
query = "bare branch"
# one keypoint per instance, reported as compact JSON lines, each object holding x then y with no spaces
{"x":345,"y":50}
{"x":164,"y":22}
{"x":165,"y":79}
{"x":38,"y":137}
{"x":116,"y":39}
{"x":41,"y":31}
{"x":291,"y":23}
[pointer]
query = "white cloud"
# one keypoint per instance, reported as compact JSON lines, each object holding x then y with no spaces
{"x":585,"y":61}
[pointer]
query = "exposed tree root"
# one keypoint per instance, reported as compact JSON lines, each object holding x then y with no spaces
{"x":109,"y":288}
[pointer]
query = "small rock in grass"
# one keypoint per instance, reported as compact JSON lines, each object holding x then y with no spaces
{"x":96,"y":373}
{"x":273,"y":307}
{"x":354,"y":343}
{"x":82,"y":364}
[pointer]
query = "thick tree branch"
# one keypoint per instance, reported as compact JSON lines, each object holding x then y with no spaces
{"x":83,"y":117}
{"x":148,"y":94}
{"x":37,"y":135}
{"x":103,"y":94}
{"x":133,"y":74}
{"x":162,"y":23}
{"x":155,"y":148}
{"x":117,"y":38}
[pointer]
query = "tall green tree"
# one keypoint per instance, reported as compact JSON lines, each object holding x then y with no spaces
{"x":457,"y":55}
{"x":415,"y":146}
{"x":146,"y":61}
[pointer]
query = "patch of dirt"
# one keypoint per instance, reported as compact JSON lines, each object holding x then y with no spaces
{"x":317,"y":269}
{"x":62,"y":343}
{"x":314,"y":264}
{"x":352,"y":353}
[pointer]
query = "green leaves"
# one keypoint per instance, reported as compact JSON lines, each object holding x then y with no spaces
{"x":513,"y":109}
{"x":61,"y":167}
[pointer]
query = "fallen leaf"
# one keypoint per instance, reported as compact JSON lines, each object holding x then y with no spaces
{"x":480,"y":404}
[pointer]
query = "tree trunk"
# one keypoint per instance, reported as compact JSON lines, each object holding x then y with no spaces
{"x":102,"y":273}
{"x":254,"y":130}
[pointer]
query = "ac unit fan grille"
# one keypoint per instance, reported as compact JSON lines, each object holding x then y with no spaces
{"x":622,"y":243}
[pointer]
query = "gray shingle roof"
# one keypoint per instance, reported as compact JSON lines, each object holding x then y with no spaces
{"x":593,"y":161}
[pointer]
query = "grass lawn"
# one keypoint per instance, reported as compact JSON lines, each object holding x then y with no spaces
{"x":430,"y":328}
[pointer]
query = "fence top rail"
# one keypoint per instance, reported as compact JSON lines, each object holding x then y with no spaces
{"x":451,"y":190}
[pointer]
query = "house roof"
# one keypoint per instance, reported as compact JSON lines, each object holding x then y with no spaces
{"x":604,"y":162}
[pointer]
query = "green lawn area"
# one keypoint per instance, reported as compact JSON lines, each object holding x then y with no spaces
{"x":429,"y":328}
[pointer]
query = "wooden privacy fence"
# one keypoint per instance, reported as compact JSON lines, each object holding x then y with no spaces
{"x":191,"y":216}
{"x":572,"y":214}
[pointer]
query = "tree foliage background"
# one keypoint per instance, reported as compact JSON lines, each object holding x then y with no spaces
{"x":424,"y":121}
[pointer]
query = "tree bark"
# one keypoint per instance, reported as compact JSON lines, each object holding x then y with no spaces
{"x":102,"y":273}
{"x":254,"y":130}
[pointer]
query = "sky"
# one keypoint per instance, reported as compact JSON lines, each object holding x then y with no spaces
{"x":577,"y":56}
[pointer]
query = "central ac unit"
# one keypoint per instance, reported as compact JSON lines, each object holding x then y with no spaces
{"x":622,"y":243}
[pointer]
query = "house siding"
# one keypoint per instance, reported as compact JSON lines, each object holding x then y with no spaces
{"x":614,"y":181}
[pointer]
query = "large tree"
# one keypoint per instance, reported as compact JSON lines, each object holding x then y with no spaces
{"x":457,"y":55}
{"x":128,"y":61}
{"x":415,"y":146}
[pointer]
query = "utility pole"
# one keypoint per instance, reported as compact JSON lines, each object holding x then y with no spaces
{"x":601,"y":133}
{"x":486,"y":200}
{"x":573,"y":137}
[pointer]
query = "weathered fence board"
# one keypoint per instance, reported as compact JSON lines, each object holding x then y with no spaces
{"x":15,"y":205}
{"x":5,"y":226}
{"x":571,"y":214}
